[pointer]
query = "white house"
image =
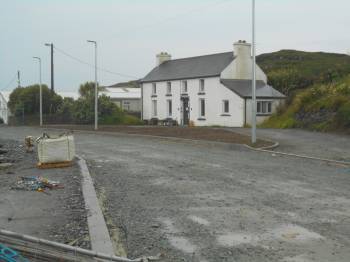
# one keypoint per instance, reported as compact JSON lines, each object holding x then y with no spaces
{"x":126,"y":95}
{"x":4,"y":110}
{"x":207,"y":90}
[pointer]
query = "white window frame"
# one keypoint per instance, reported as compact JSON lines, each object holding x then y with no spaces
{"x":168,"y":88}
{"x":201,"y":85}
{"x":201,"y":113}
{"x":184,"y":84}
{"x":223,"y":106}
{"x":154,"y":108}
{"x":169,"y":105}
{"x":264,"y":107}
{"x":154,"y":88}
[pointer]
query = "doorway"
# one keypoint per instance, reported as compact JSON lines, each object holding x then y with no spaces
{"x":185,"y":110}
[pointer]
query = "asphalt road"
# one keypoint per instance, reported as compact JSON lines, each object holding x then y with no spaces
{"x":200,"y":202}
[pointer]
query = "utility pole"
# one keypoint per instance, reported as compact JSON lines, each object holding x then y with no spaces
{"x":52,"y":68}
{"x":18,"y":78}
{"x":96,"y":85}
{"x":253,"y":76}
{"x":41,"y":91}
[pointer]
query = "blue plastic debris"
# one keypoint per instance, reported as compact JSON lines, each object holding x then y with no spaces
{"x":9,"y":255}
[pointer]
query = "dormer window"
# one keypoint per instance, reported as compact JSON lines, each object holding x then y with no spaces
{"x":184,"y":87}
{"x":154,"y":89}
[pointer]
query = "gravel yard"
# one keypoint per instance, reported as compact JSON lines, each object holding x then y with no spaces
{"x":202,"y":202}
{"x":58,"y":214}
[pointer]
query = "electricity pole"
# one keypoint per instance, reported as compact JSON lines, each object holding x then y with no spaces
{"x":253,"y":76}
{"x":52,"y":69}
{"x":96,"y":85}
{"x":41,"y":91}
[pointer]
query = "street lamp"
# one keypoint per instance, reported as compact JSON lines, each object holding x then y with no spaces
{"x":96,"y":91}
{"x":253,"y":76}
{"x":52,"y":71}
{"x":41,"y":91}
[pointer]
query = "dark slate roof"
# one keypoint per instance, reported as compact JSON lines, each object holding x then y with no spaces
{"x":243,"y":88}
{"x":192,"y":67}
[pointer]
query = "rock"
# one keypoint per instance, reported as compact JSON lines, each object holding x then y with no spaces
{"x":5,"y":165}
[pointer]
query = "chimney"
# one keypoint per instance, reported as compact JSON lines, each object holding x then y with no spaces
{"x":163,"y":57}
{"x":242,"y":49}
{"x":243,"y":58}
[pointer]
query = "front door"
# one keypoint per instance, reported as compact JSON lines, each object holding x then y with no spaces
{"x":185,"y":110}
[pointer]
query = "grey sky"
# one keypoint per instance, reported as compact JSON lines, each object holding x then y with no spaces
{"x":130,"y":33}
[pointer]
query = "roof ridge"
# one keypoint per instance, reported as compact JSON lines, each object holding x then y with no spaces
{"x":198,"y":56}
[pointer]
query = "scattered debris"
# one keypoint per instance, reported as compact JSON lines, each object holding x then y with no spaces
{"x":36,"y":183}
{"x":29,"y":142}
{"x":9,"y":255}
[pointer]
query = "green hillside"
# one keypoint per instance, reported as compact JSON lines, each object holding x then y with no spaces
{"x":288,"y":70}
{"x":317,"y":86}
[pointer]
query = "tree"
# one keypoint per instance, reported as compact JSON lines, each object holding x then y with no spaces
{"x":27,"y":100}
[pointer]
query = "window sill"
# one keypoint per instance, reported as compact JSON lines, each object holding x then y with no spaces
{"x":153,"y":95}
{"x":201,"y":119}
{"x":261,"y":114}
{"x":225,"y":114}
{"x":201,"y":93}
{"x":184,"y":94}
{"x":168,"y":95}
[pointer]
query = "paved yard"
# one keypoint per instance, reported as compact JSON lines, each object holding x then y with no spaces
{"x":199,"y":202}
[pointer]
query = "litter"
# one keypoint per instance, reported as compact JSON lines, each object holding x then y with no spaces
{"x":29,"y":142}
{"x":9,"y":255}
{"x":36,"y":183}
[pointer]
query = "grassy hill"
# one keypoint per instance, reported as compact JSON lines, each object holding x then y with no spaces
{"x":317,"y":86}
{"x":288,"y":70}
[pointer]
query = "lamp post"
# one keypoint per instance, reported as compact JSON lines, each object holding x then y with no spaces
{"x":253,"y":76}
{"x":96,"y":87}
{"x":52,"y":68}
{"x":41,"y":91}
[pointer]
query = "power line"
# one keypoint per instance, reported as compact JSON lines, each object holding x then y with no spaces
{"x":12,"y":80}
{"x":91,"y":65}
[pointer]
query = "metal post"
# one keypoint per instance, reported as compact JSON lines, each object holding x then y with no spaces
{"x":96,"y":85}
{"x":253,"y":76}
{"x":52,"y":67}
{"x":41,"y":92}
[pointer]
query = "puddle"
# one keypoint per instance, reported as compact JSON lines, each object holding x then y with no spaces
{"x":235,"y":239}
{"x":199,"y":220}
{"x":295,"y":233}
{"x":182,"y":244}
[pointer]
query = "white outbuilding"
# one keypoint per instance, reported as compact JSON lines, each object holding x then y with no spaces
{"x":207,"y":90}
{"x":4,"y":110}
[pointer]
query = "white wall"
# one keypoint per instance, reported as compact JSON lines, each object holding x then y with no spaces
{"x":215,"y":93}
{"x":259,"y":119}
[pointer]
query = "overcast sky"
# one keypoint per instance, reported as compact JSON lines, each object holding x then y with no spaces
{"x":130,"y":33}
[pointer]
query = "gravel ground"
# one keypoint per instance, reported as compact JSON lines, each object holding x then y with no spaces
{"x":324,"y":145}
{"x":205,"y":202}
{"x":58,"y":215}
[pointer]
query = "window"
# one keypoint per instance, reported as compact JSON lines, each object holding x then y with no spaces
{"x":154,"y":89}
{"x":201,"y":107}
{"x":168,"y":88}
{"x":126,"y":105}
{"x":264,"y":107}
{"x":184,"y":87}
{"x":154,"y":107}
{"x":201,"y":86}
{"x":170,"y":108}
{"x":225,"y":106}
